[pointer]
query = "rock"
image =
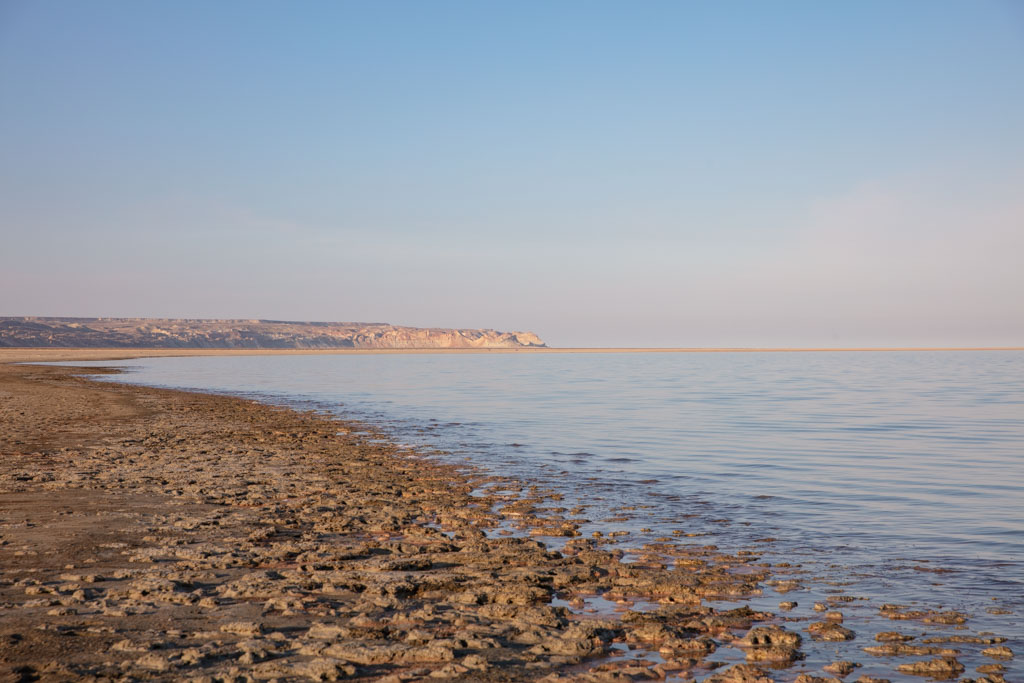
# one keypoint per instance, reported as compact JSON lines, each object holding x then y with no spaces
{"x":692,"y":647}
{"x":826,"y":630}
{"x":991,"y":669}
{"x":764,"y":636}
{"x":153,"y":662}
{"x":964,"y":639}
{"x":322,"y":631}
{"x":841,"y":668}
{"x":775,"y":653}
{"x":940,"y":667}
{"x":436,"y":651}
{"x":741,"y":673}
{"x":127,"y":645}
{"x":999,"y":652}
{"x":475,"y":662}
{"x":899,"y":612}
{"x":784,"y":586}
{"x":367,"y":654}
{"x":892,"y":636}
{"x":452,"y":670}
{"x":326,"y":669}
{"x":898,"y":649}
{"x":950,"y":617}
{"x":770,"y":644}
{"x":576,"y":647}
{"x":253,"y":651}
{"x":243,"y":628}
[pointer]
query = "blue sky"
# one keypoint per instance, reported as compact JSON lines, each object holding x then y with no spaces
{"x":602,"y":173}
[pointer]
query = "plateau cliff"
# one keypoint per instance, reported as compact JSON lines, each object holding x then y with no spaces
{"x":246,"y":334}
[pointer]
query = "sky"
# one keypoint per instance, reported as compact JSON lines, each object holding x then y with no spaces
{"x":601,"y":173}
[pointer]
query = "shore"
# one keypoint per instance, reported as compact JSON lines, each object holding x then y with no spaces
{"x":155,"y":534}
{"x":56,"y":354}
{"x":149,"y":534}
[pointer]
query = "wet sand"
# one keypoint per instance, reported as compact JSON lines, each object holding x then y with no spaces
{"x":148,"y":534}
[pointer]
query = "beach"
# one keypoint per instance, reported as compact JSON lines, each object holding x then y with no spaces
{"x":168,"y":535}
{"x":162,"y":534}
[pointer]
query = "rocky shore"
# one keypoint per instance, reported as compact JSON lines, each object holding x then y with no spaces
{"x":160,"y":535}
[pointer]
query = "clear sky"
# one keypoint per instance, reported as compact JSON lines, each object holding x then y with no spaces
{"x":602,"y":173}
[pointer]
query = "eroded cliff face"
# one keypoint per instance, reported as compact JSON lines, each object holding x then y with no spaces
{"x":413,"y":337}
{"x":246,"y":334}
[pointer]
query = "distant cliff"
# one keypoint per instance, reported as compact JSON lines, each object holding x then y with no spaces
{"x":245,"y":334}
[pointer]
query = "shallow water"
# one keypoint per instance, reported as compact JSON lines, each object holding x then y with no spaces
{"x":871,"y":470}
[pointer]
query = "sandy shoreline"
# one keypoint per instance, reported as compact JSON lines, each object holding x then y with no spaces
{"x":154,"y":534}
{"x":29,"y":355}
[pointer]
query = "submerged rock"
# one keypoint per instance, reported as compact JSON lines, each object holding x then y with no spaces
{"x":827,"y":630}
{"x":898,"y":649}
{"x":841,"y":668}
{"x":940,"y":667}
{"x":770,"y":644}
{"x":766,"y":636}
{"x":892,"y":636}
{"x":741,"y":673}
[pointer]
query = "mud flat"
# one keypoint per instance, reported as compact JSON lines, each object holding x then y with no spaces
{"x":148,"y":534}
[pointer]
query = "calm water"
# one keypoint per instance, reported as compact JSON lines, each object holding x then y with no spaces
{"x":867,"y":467}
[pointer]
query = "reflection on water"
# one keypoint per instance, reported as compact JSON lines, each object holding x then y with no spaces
{"x":871,"y":470}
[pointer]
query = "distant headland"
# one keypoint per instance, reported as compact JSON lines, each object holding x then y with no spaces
{"x":182,"y":333}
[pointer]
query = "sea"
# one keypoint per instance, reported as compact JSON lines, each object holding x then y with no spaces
{"x":885,"y":477}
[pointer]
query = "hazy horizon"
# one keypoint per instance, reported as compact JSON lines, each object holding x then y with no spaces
{"x":793,"y":174}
